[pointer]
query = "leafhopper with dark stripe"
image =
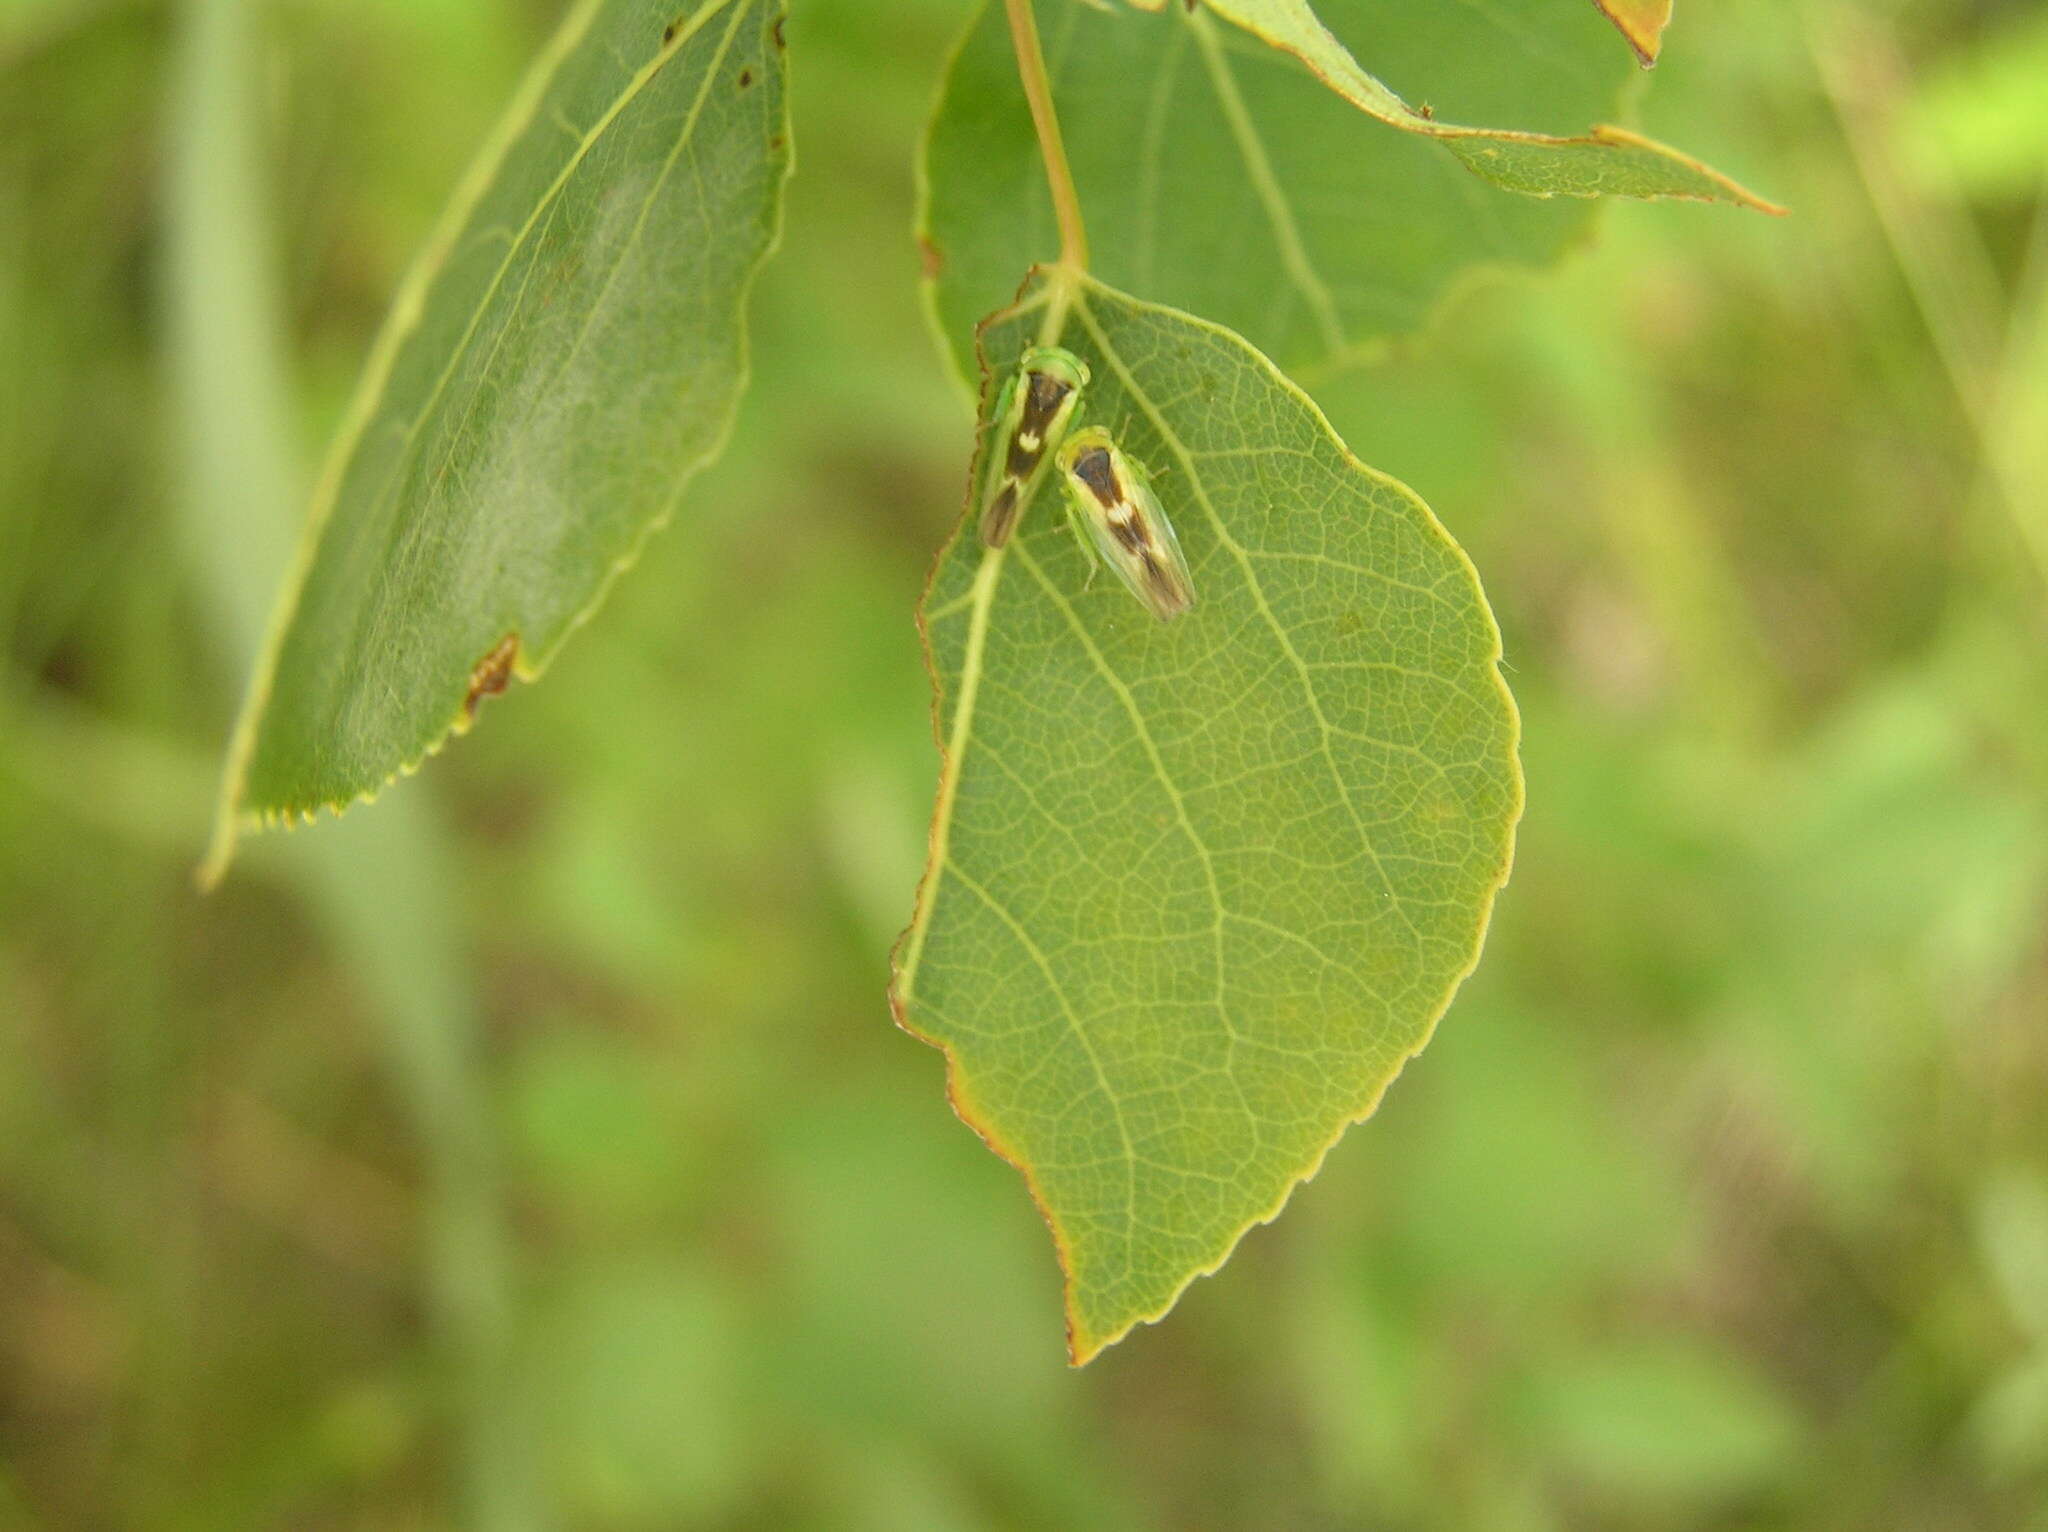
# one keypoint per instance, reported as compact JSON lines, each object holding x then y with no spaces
{"x":1032,"y":415}
{"x":1110,"y":497}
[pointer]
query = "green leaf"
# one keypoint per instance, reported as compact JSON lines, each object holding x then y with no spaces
{"x":1197,"y":890}
{"x":1603,"y":162}
{"x":568,"y":352}
{"x":1220,"y":176}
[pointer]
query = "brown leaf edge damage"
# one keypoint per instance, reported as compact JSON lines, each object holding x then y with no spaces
{"x":489,"y":677}
{"x":1083,"y":1346}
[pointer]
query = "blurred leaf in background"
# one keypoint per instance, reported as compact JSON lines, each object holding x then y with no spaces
{"x":1710,"y":1210}
{"x":1317,"y":220}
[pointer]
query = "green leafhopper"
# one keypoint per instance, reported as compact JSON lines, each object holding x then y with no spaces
{"x":1111,"y":498}
{"x":1031,"y":417}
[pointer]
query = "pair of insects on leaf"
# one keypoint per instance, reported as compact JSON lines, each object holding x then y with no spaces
{"x":1109,"y":495}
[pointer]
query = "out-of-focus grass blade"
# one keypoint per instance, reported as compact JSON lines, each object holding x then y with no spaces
{"x":569,"y":351}
{"x":383,"y":886}
{"x":1197,"y":890}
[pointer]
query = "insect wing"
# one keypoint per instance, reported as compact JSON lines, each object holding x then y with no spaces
{"x":999,"y":503}
{"x":1032,"y":414}
{"x":1113,"y":500}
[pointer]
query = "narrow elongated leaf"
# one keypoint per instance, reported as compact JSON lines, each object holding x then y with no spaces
{"x":1219,"y":175}
{"x":569,"y":351}
{"x":1198,"y":889}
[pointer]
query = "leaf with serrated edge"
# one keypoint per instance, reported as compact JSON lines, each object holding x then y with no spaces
{"x":1219,"y":175}
{"x":1642,"y":22}
{"x":569,"y":350}
{"x":1197,"y":890}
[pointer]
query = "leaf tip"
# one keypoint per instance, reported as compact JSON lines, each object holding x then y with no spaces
{"x":1726,"y":188}
{"x":1082,"y":1346}
{"x":1641,"y":24}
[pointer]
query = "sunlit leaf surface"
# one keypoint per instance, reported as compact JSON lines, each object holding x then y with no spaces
{"x":569,"y":351}
{"x":1198,"y":889}
{"x":1220,"y":175}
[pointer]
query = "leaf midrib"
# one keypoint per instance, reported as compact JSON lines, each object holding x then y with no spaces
{"x":1237,"y":551}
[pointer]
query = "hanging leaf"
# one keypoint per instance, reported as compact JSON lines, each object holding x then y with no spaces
{"x":568,"y":352}
{"x":1199,"y":888}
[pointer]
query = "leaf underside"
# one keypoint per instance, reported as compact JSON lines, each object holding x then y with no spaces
{"x":1220,"y":175}
{"x":1199,"y":889}
{"x":570,"y":350}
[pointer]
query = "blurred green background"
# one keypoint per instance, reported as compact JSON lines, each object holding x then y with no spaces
{"x":533,"y":1149}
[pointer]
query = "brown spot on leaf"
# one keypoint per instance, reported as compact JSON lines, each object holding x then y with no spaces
{"x":491,"y":674}
{"x":668,"y":33}
{"x":932,"y":257}
{"x":746,"y":78}
{"x":776,"y":32}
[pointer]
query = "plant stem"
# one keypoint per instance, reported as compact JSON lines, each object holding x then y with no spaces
{"x":1059,"y":176}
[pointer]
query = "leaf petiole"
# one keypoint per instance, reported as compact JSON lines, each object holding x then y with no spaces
{"x":1059,"y":176}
